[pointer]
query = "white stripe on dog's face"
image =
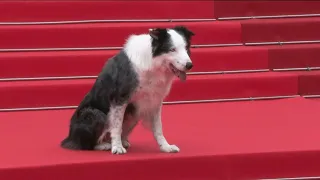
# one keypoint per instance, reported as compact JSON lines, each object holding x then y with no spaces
{"x":178,"y":55}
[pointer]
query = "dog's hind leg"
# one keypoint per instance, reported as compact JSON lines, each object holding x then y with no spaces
{"x":130,"y":120}
{"x":105,"y":146}
{"x":84,"y":127}
{"x":129,"y":124}
{"x":103,"y":142}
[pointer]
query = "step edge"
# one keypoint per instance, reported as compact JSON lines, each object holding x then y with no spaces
{"x":269,"y":16}
{"x":106,"y":21}
{"x":95,"y":76}
{"x":261,"y":44}
{"x":165,"y":103}
{"x":208,"y":47}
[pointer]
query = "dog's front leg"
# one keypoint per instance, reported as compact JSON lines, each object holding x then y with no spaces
{"x":158,"y":133}
{"x":115,"y":127}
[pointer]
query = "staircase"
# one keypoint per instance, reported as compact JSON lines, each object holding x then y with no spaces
{"x":249,"y":109}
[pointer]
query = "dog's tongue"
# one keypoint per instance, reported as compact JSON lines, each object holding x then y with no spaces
{"x":182,"y":76}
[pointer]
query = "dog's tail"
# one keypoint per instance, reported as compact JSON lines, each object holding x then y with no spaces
{"x":82,"y":138}
{"x":83,"y":135}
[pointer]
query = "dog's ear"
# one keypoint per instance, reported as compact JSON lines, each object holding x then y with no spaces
{"x":185,"y":31}
{"x":158,"y":33}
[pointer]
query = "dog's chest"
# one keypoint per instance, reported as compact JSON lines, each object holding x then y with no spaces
{"x":151,"y":91}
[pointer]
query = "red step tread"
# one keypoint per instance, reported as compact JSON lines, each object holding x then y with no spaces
{"x":244,"y":144}
{"x":89,"y":63}
{"x":294,"y":56}
{"x":275,"y":30}
{"x":21,"y":94}
{"x":24,"y":11}
{"x":108,"y":34}
{"x":250,"y":8}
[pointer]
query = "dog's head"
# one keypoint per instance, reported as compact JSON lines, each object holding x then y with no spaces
{"x":172,"y":48}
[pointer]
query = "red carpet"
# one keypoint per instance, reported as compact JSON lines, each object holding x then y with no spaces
{"x":108,"y":34}
{"x":113,"y":34}
{"x":248,"y":8}
{"x":218,"y":141}
{"x":70,"y":92}
{"x":90,"y":10}
{"x":97,"y":10}
{"x":89,"y":63}
{"x":294,"y":56}
{"x":275,"y":30}
{"x":243,"y":140}
{"x":309,"y":83}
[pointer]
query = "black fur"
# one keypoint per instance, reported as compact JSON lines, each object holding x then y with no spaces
{"x":187,"y":34}
{"x":160,"y":41}
{"x":115,"y":84}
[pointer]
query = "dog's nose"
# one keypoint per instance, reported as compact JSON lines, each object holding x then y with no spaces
{"x":189,"y":65}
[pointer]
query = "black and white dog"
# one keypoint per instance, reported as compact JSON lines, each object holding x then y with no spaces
{"x":131,"y":86}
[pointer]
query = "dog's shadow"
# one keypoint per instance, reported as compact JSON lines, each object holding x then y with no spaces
{"x":143,"y":149}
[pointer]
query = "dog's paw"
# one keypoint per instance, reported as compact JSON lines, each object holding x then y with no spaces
{"x":103,"y":147}
{"x":170,"y":149}
{"x":118,"y":150}
{"x":125,"y":144}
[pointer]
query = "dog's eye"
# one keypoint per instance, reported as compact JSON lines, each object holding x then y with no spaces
{"x":173,"y":49}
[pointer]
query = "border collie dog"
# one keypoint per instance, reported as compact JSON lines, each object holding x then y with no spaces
{"x":131,"y":86}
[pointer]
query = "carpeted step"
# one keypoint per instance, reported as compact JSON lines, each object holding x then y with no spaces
{"x":264,"y":8}
{"x":89,"y":63}
{"x":108,"y":34}
{"x":275,"y":30}
{"x":19,"y":94}
{"x":317,"y":99}
{"x":31,"y":11}
{"x":114,"y":34}
{"x":294,"y":56}
{"x":239,"y":140}
{"x":309,"y":83}
{"x":24,"y":11}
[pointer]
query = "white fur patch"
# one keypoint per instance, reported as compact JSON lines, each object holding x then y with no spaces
{"x":179,"y":58}
{"x":138,"y":49}
{"x":155,"y":78}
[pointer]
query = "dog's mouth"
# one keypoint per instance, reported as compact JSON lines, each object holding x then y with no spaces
{"x":180,"y":74}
